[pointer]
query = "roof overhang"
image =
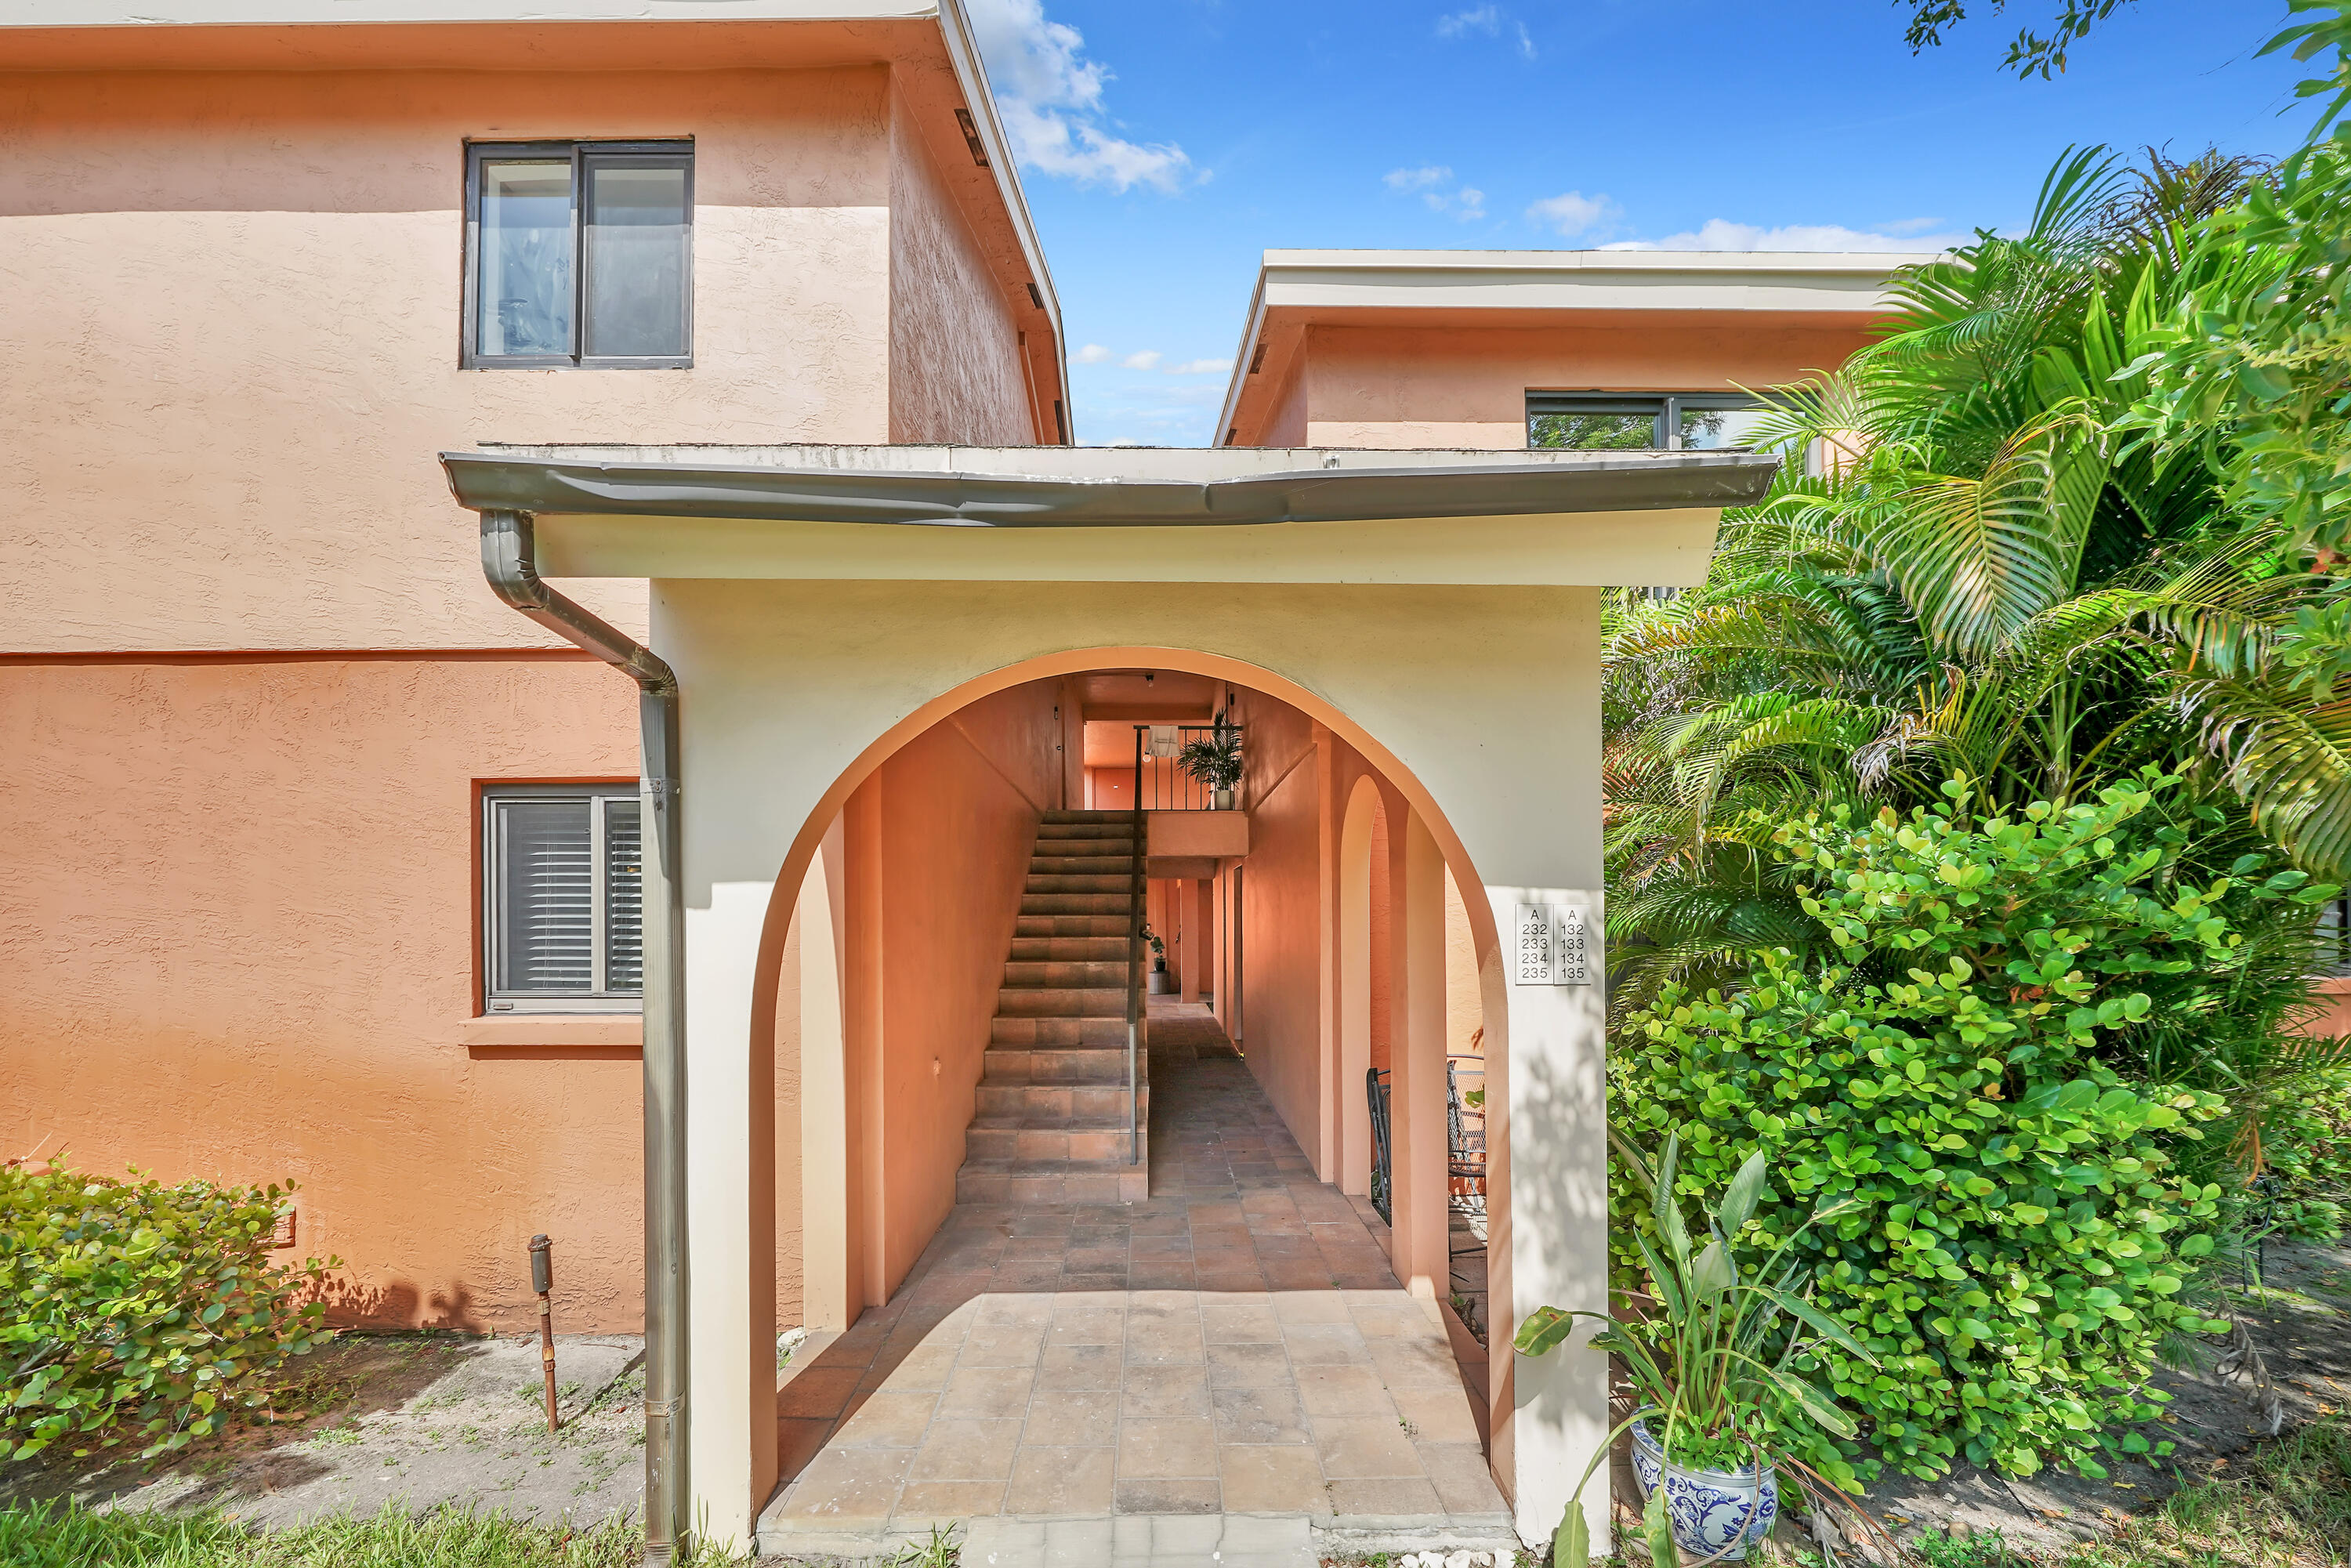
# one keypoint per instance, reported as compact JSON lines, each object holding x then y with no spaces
{"x":1548,"y":287}
{"x":1116,"y":514}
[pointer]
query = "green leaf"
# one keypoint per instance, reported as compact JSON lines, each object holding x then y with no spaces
{"x":1658,"y":1532}
{"x":1739,"y":1200}
{"x":1544,"y":1328}
{"x":1570,"y":1544}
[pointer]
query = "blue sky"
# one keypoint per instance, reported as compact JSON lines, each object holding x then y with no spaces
{"x":1164,"y":144}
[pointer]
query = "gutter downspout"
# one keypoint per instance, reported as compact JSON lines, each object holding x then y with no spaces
{"x":509,"y":560}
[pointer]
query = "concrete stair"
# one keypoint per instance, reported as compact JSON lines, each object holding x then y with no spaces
{"x":1051,"y":1122}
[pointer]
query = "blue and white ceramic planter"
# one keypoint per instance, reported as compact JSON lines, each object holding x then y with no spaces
{"x":1707,"y":1509}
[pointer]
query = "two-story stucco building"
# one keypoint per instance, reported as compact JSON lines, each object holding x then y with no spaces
{"x":728,"y":328}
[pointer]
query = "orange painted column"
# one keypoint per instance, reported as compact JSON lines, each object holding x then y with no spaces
{"x":1332,"y":1086}
{"x":1200,"y":923}
{"x":866,"y":1257}
{"x":1418,"y":1132}
{"x":1186,"y":908}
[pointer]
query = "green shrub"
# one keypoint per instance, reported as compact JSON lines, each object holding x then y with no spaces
{"x":133,"y":1312}
{"x":2026,"y":1233}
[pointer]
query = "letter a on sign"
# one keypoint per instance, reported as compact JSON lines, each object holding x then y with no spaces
{"x":1549,"y":946}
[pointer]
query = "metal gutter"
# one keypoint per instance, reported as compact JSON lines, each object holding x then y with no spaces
{"x":967,"y":499}
{"x":509,"y":562}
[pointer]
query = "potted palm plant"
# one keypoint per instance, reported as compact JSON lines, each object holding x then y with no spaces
{"x":1215,"y":761}
{"x":1161,"y":982}
{"x":1709,"y":1349}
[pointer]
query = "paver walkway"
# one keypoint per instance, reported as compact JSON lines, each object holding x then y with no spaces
{"x":1235,"y":1346}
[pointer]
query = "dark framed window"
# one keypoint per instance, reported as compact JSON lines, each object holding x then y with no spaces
{"x":578,"y":253}
{"x":562,"y":898}
{"x":1641,"y":422}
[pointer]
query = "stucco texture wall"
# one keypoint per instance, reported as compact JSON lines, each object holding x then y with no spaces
{"x":1456,"y":385}
{"x":242,"y":945}
{"x":954,"y":353}
{"x":232,"y":318}
{"x":959,"y":804}
{"x":1281,"y":917}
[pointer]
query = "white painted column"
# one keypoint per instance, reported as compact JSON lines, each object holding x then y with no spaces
{"x":1558,"y":1176}
{"x":731,"y":1325}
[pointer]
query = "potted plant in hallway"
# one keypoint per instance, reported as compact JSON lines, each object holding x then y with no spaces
{"x":1161,"y":981}
{"x":1709,"y":1349}
{"x":1215,"y":761}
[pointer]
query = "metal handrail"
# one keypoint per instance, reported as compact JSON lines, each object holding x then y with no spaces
{"x":1138,"y":895}
{"x":1170,"y":788}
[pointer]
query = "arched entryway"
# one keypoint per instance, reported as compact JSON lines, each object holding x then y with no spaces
{"x":1238,"y":1215}
{"x":780,"y":678}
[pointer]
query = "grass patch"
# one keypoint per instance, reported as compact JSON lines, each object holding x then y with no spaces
{"x":2286,"y":1505}
{"x":444,"y":1537}
{"x":2290,"y":1508}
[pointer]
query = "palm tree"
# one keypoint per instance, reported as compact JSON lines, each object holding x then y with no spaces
{"x":1987,"y":570}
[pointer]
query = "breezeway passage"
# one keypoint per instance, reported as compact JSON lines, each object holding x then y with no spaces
{"x":1234,"y":1344}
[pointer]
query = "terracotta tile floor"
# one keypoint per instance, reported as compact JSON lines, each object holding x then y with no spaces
{"x":1234,"y":1346}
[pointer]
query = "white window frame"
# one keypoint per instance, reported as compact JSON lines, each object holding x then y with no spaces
{"x":597,"y":999}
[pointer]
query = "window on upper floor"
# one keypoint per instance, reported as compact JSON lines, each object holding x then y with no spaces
{"x":562,"y":891}
{"x":580,"y":253}
{"x":1641,"y":422}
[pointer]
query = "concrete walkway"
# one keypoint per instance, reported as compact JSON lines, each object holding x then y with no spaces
{"x":1228,"y":1367}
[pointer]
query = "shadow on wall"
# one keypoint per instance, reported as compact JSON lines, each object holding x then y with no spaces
{"x":400,"y":1305}
{"x":1557,"y":1194}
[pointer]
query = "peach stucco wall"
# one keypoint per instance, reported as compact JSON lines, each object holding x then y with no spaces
{"x":1282,"y":922}
{"x":240,"y":944}
{"x":232,"y":325}
{"x":956,"y":357}
{"x":959,"y":806}
{"x":1401,"y":386}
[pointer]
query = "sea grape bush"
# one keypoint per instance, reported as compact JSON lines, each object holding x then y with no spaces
{"x":138,"y":1312}
{"x":2026,"y":1234}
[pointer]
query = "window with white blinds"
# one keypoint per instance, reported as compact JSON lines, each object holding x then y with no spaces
{"x":562,"y":889}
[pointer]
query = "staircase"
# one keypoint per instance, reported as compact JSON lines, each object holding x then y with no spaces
{"x":1051,"y":1123}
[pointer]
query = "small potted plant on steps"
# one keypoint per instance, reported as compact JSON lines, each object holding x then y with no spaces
{"x":1710,"y":1348}
{"x":1215,"y":761}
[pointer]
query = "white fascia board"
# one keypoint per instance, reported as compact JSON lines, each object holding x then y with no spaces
{"x":1581,"y":280}
{"x":1837,"y":282}
{"x":346,"y":12}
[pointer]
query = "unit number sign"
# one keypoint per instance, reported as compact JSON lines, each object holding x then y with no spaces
{"x":1551,"y":946}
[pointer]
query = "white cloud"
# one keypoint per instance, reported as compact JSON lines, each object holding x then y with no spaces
{"x":1198,"y":368}
{"x":1486,"y":19}
{"x":1429,"y":182}
{"x":1142,"y":362}
{"x":1419,"y":179}
{"x":1572,"y":213}
{"x":1092,"y":354}
{"x":1721,"y":233}
{"x":1910,"y":226}
{"x":1049,"y":97}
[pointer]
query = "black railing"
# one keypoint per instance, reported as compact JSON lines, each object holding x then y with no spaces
{"x":1137,"y":1009}
{"x":1160,"y":782}
{"x":1375,"y":1089}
